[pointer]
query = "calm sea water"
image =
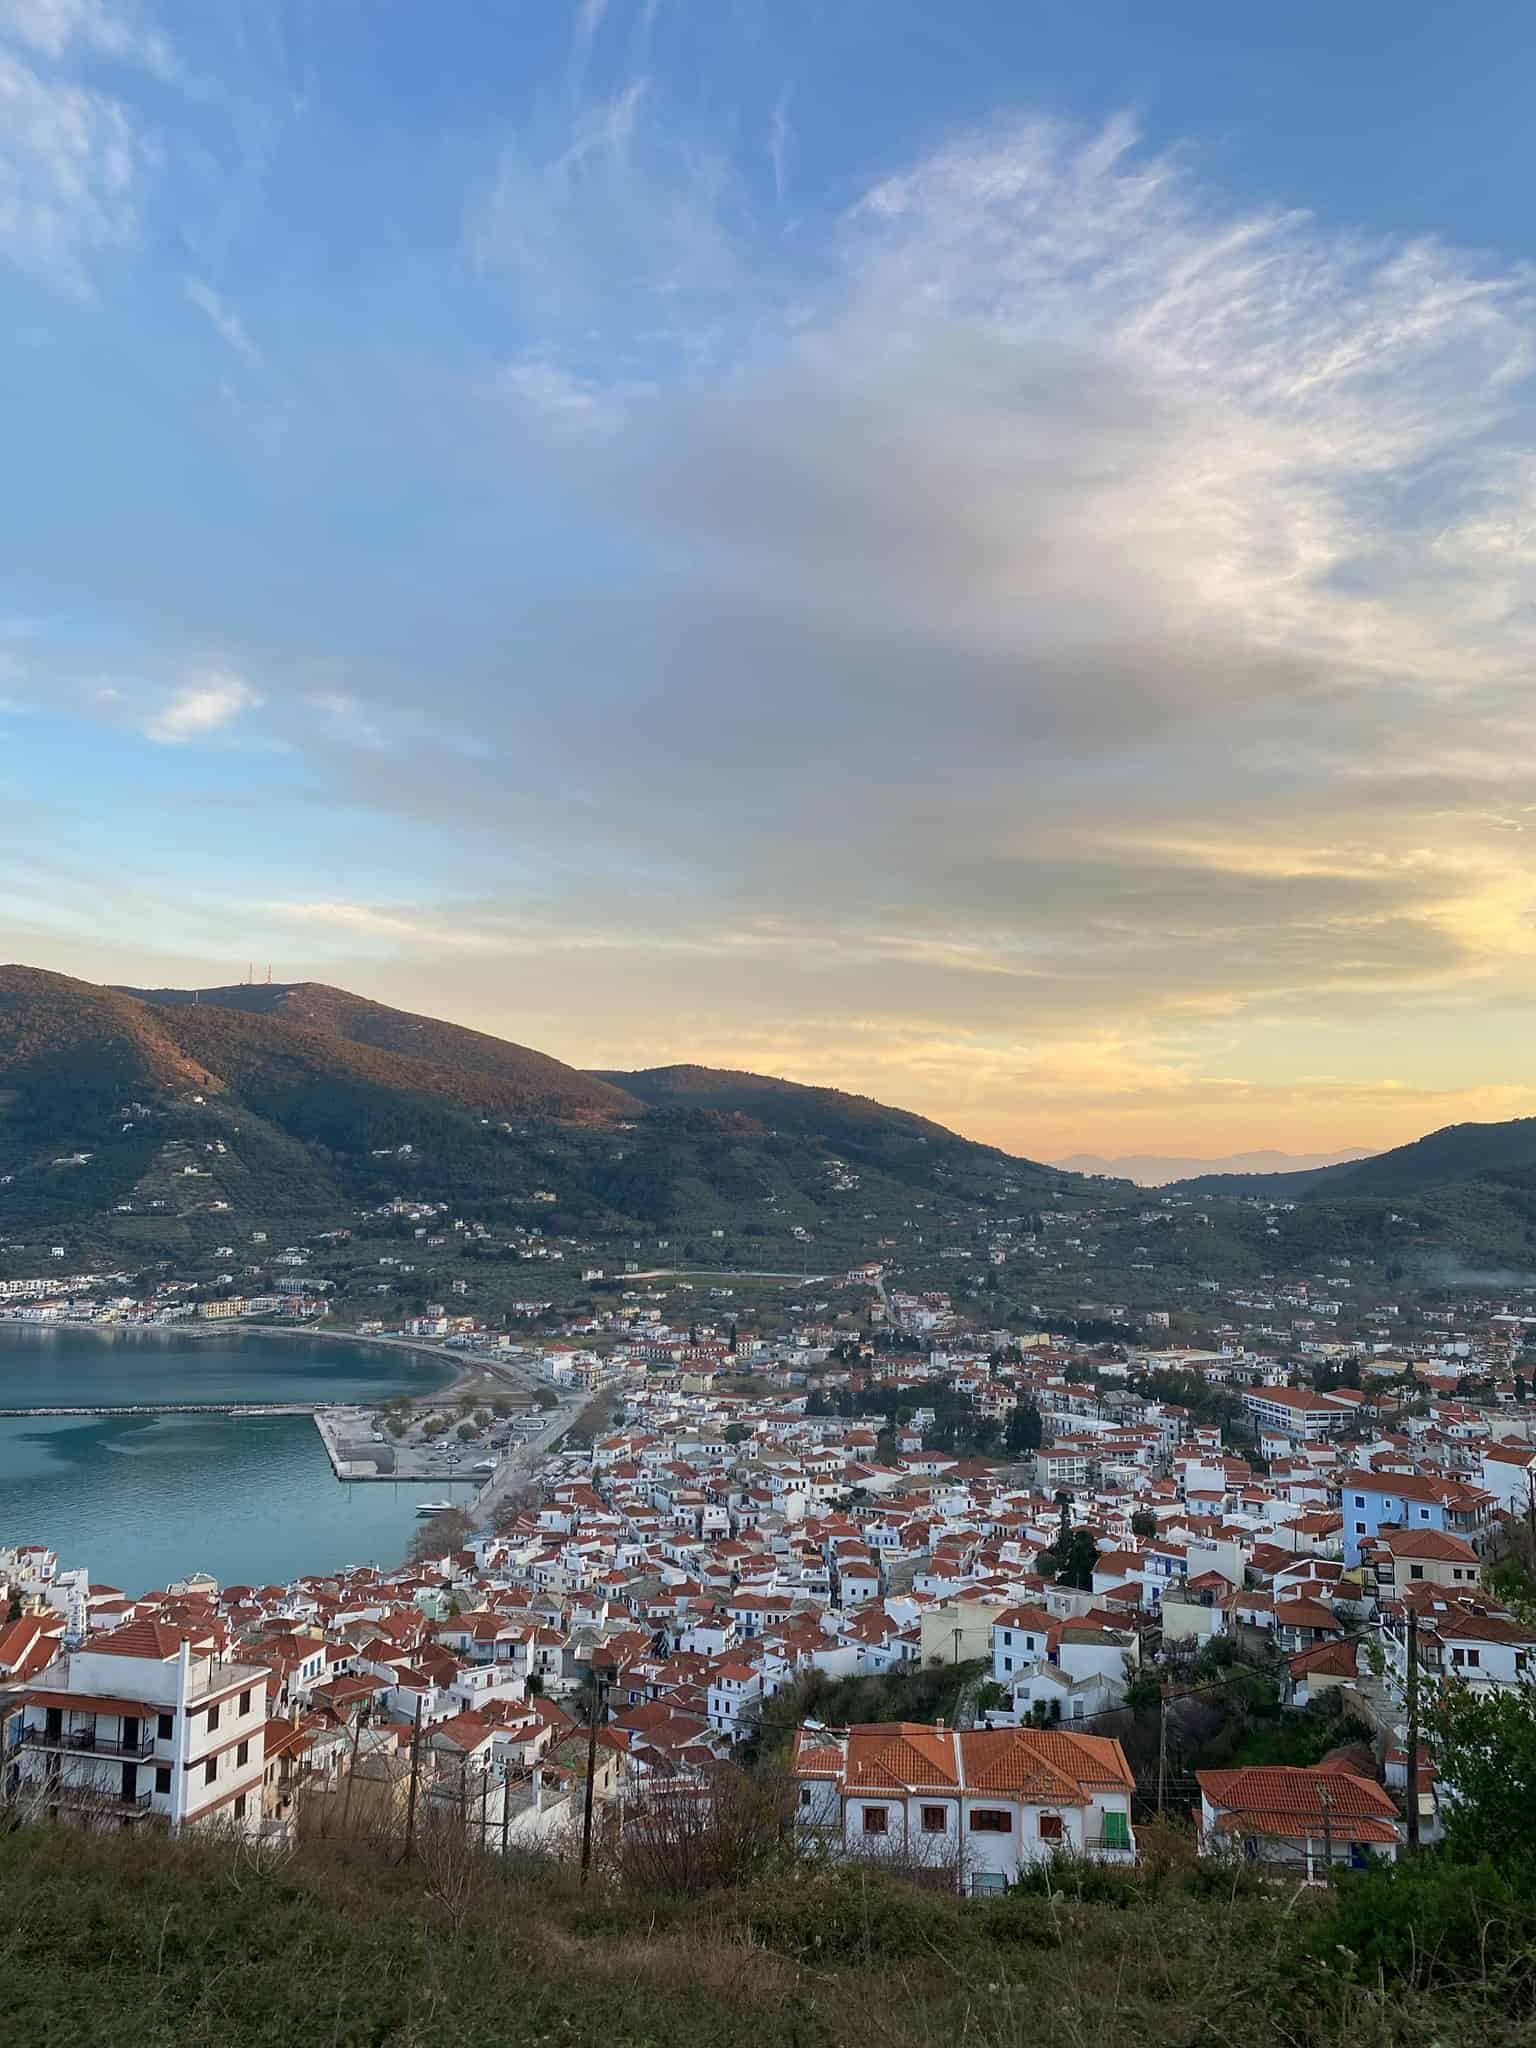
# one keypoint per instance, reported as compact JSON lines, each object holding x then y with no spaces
{"x":142,"y":1500}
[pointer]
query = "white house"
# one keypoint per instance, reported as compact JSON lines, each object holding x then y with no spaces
{"x":988,"y":1802}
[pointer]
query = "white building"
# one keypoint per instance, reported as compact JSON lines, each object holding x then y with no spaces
{"x":986,"y":1802}
{"x":147,"y":1721}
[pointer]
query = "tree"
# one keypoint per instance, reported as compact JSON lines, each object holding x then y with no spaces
{"x":1078,"y":1562}
{"x":465,"y":1432}
{"x":1144,"y":1523}
{"x":442,"y":1535}
{"x":501,"y":1408}
{"x":1484,"y":1746}
{"x":1022,"y":1432}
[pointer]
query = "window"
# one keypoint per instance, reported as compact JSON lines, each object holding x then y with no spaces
{"x":805,"y":1795}
{"x":876,"y":1820}
{"x":213,"y":1717}
{"x":240,"y":1807}
{"x":1359,"y":1500}
{"x":1008,"y":1636}
{"x":1007,"y":1663}
{"x":164,"y":1728}
{"x":245,"y":1702}
{"x":1052,"y":1827}
{"x":163,"y":1778}
{"x":242,"y":1755}
{"x":210,"y":1770}
{"x":1416,"y":1571}
{"x":933,"y":1820}
{"x":1117,"y":1831}
{"x":991,"y":1820}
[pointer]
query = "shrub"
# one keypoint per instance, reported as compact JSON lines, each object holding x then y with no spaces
{"x":1425,"y":1922}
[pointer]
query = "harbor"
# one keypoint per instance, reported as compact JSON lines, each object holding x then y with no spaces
{"x":495,"y":1460}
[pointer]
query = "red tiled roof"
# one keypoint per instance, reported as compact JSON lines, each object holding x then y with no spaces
{"x":1285,"y":1800}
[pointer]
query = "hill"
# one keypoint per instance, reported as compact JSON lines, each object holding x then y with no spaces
{"x":156,"y":1120}
{"x":1153,"y":1170}
{"x":1459,"y":1152}
{"x":860,"y":1129}
{"x":460,"y":1059}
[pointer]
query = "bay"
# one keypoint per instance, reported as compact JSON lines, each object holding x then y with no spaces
{"x":141,"y":1500}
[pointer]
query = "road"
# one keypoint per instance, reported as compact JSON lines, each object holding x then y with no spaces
{"x":517,"y":1466}
{"x":726,"y":1273}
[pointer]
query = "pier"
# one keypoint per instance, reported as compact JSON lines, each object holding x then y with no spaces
{"x":175,"y":1408}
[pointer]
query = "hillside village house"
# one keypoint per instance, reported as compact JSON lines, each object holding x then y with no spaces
{"x":1302,"y":1819}
{"x":149,"y":1720}
{"x":1373,"y":1501}
{"x":989,"y":1802}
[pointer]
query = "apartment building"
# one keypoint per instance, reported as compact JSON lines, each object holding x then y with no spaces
{"x":151,"y":1721}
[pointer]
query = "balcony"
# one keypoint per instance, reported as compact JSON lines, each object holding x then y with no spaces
{"x":86,"y":1742}
{"x":61,"y":1792}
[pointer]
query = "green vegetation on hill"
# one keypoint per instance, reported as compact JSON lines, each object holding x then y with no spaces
{"x":1459,"y":1152}
{"x":137,"y":1938}
{"x":296,"y":1107}
{"x":858,"y":1129}
{"x":518,"y":1076}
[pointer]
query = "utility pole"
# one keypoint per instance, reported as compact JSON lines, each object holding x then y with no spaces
{"x":1413,"y":1731}
{"x":1162,"y":1745}
{"x":410,"y":1808}
{"x":599,"y":1701}
{"x":346,"y":1804}
{"x":1325,"y":1800}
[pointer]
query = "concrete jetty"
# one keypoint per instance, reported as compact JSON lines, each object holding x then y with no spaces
{"x":173,"y":1408}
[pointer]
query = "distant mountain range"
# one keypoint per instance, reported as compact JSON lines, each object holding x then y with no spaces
{"x":1149,"y":1170}
{"x":292,"y":1102}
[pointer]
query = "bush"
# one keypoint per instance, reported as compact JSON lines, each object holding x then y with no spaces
{"x":1425,"y":1922}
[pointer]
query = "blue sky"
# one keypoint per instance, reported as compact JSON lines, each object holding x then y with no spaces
{"x":980,"y":553}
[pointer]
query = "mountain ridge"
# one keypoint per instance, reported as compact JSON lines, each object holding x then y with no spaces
{"x":294,"y":1101}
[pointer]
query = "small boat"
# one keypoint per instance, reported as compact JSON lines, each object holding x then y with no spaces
{"x":434,"y":1507}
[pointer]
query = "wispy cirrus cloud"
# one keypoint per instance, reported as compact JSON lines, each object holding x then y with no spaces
{"x":70,"y":165}
{"x":53,"y":28}
{"x":224,"y":320}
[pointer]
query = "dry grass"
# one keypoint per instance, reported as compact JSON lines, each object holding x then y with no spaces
{"x":138,"y":1940}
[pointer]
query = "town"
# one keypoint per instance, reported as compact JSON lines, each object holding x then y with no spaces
{"x":989,"y":1596}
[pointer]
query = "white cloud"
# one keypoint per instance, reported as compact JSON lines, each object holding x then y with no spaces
{"x":225,"y":321}
{"x":54,"y":27}
{"x":69,"y":165}
{"x":202,"y":708}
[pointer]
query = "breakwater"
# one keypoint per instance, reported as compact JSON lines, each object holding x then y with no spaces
{"x":172,"y":1408}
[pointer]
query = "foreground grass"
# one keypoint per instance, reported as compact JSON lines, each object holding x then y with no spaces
{"x":138,"y":1940}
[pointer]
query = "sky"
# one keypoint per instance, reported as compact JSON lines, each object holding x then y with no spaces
{"x":982,"y":554}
